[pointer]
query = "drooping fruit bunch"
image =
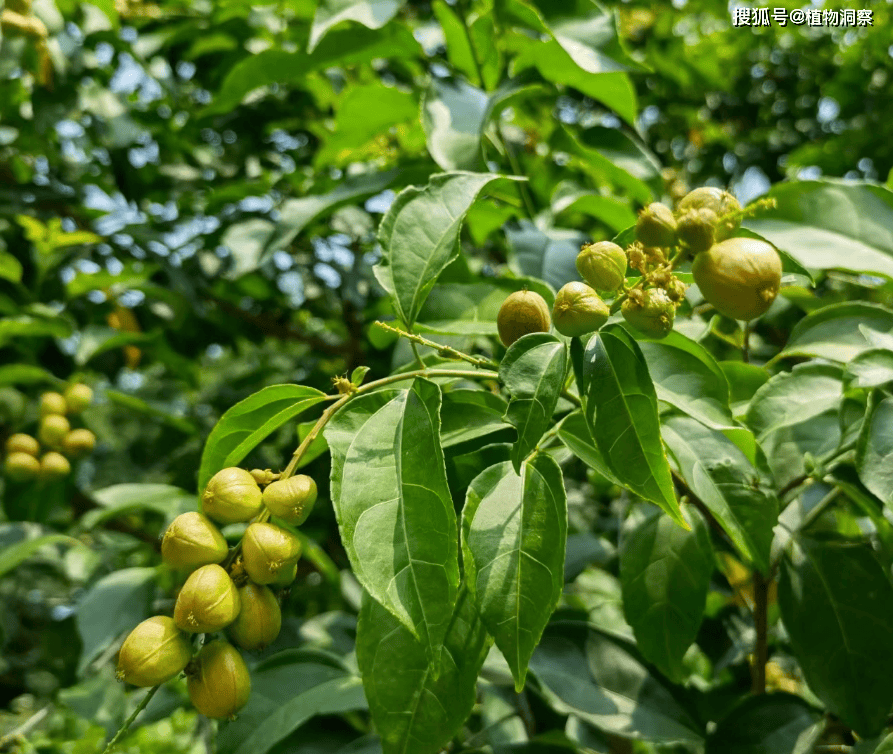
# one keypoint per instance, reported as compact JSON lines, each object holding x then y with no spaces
{"x":48,"y":456}
{"x":226,"y":589}
{"x":738,"y":276}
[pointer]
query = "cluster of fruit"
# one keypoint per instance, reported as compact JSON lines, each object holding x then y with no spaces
{"x":24,"y":461}
{"x":225,"y":590}
{"x":740,"y":277}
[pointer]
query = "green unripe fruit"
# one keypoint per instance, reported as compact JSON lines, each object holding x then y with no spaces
{"x":232,"y":496}
{"x":53,"y":428}
{"x":266,"y":550}
{"x":652,"y":313}
{"x":291,"y":499}
{"x":53,"y":403}
{"x":697,"y":229}
{"x":78,"y":397}
{"x":578,"y":310}
{"x":522,"y":313}
{"x":154,"y":652}
{"x":54,"y":466}
{"x":286,"y":577}
{"x":218,"y":681}
{"x":207,"y":602}
{"x":260,"y":618}
{"x":262,"y":476}
{"x":22,"y":443}
{"x":739,"y":276}
{"x":656,"y":226}
{"x":602,"y":265}
{"x":192,"y":541}
{"x":79,"y":442}
{"x":718,"y":201}
{"x":21,"y":467}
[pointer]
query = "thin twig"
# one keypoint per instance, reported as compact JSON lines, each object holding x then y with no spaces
{"x":129,"y":721}
{"x":15,"y":735}
{"x":442,"y":350}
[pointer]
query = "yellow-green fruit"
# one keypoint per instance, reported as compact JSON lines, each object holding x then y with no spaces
{"x":218,"y":681}
{"x":232,"y":496}
{"x":54,"y":466}
{"x":697,"y":229}
{"x":656,"y":226}
{"x":739,"y":276}
{"x":53,"y":403}
{"x":286,"y":577}
{"x":154,"y":652}
{"x":262,"y":476}
{"x":21,"y":467}
{"x":602,"y":265}
{"x":522,"y":313}
{"x":291,"y":499}
{"x":578,"y":310}
{"x":652,"y":314}
{"x":192,"y":541}
{"x":22,"y":443}
{"x":718,"y":201}
{"x":260,"y":618}
{"x":78,"y":397}
{"x":207,"y":602}
{"x":53,"y":428}
{"x":79,"y":442}
{"x":266,"y":550}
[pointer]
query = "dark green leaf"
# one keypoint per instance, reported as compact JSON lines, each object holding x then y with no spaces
{"x":533,"y":371}
{"x":243,"y":427}
{"x":621,"y":412}
{"x":469,"y":414}
{"x":514,"y":530}
{"x":767,"y":724}
{"x":837,"y":606}
{"x":835,"y":332}
{"x":416,"y":706}
{"x":602,"y":680}
{"x":370,"y":13}
{"x":665,"y":572}
{"x":575,"y":434}
{"x":390,"y":493}
{"x":872,"y":368}
{"x":874,"y":453}
{"x":120,"y":499}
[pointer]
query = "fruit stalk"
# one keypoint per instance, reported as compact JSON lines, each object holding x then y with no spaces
{"x":129,"y":721}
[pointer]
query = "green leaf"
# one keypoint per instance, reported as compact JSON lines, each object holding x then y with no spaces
{"x":620,"y":406}
{"x":603,"y":680}
{"x":831,"y":225}
{"x":514,"y":532}
{"x":872,"y":368}
{"x":874,"y":453}
{"x":454,"y":115}
{"x":886,"y":746}
{"x":837,"y":606}
{"x":390,"y":493}
{"x":372,"y":14}
{"x":767,"y":724}
{"x":470,"y":414}
{"x":27,"y":374}
{"x":287,"y":690}
{"x":98,"y":339}
{"x":296,"y":214}
{"x":836,"y":332}
{"x":13,"y":556}
{"x":416,"y":706}
{"x":120,"y":499}
{"x":114,"y":604}
{"x":339,"y":47}
{"x":246,"y":241}
{"x":795,"y":413}
{"x":614,"y":213}
{"x":574,"y":433}
{"x":533,"y":371}
{"x":420,"y":235}
{"x":687,"y":377}
{"x":665,"y":572}
{"x":728,"y":484}
{"x":26,"y":326}
{"x":744,"y":380}
{"x":139,"y":406}
{"x":244,"y":426}
{"x":549,"y":255}
{"x":10,"y":268}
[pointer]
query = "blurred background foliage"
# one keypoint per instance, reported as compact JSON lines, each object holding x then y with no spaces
{"x":189,"y":193}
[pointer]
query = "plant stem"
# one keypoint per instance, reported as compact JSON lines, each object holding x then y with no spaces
{"x":129,"y":721}
{"x":761,"y":623}
{"x":446,"y":351}
{"x":745,"y":346}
